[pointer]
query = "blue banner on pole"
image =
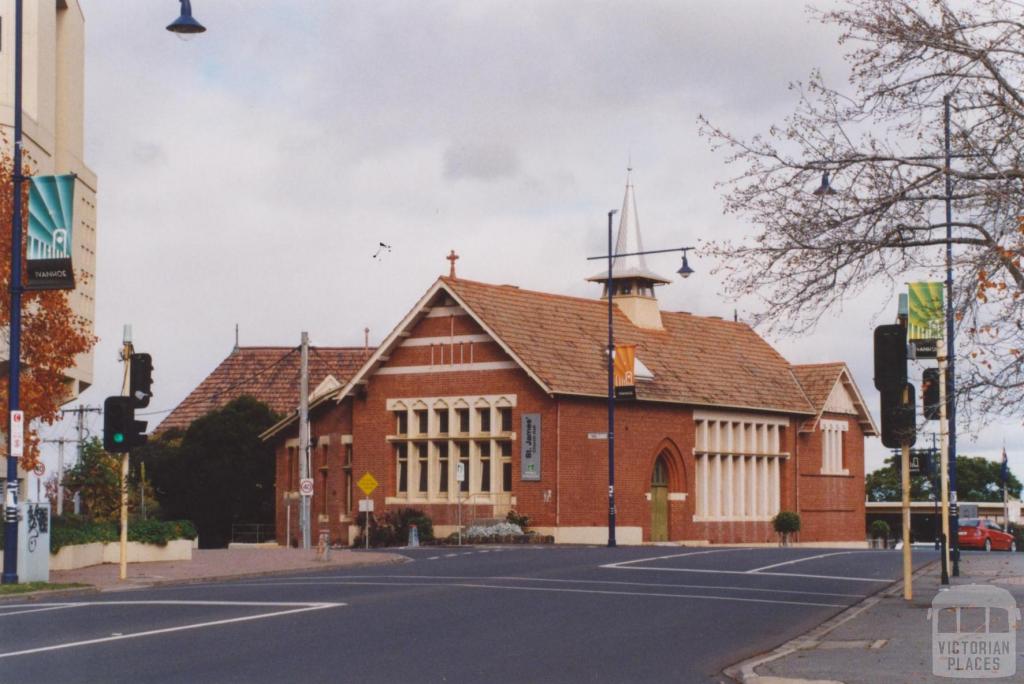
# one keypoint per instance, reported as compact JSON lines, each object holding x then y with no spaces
{"x":50,"y":223}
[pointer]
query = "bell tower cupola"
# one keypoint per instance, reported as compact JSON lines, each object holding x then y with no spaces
{"x":632,"y":283}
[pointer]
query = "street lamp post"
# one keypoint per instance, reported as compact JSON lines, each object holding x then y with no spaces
{"x":184,"y":24}
{"x":954,"y":527}
{"x":684,"y":271}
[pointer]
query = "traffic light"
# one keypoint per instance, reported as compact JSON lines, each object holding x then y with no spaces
{"x":931,"y":401}
{"x":121,"y":431}
{"x":899,"y":416}
{"x":141,"y":379}
{"x":890,"y":357}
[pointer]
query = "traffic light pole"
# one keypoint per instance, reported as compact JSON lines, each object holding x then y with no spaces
{"x":944,"y":461}
{"x":126,"y":357}
{"x":908,"y":592}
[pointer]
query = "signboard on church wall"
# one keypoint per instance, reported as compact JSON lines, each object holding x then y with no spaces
{"x":625,"y":371}
{"x":530,"y":447}
{"x":50,"y":222}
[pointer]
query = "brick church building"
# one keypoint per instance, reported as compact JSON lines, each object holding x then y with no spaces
{"x":509,"y":383}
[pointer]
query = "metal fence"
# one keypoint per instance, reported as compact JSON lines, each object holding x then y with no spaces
{"x":252,"y":533}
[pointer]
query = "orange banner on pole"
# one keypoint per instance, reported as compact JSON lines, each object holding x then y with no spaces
{"x":625,"y":371}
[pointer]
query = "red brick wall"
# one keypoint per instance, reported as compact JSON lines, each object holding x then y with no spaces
{"x":574,"y":470}
{"x":832,"y":506}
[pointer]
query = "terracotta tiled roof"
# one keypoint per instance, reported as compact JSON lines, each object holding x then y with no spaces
{"x":818,"y":379}
{"x":269,"y":374}
{"x":695,"y":360}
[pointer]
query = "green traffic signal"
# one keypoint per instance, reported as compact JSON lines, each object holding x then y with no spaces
{"x":118,"y":437}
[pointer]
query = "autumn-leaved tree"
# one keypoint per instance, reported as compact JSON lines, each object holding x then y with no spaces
{"x":52,"y":335}
{"x":881,"y":137}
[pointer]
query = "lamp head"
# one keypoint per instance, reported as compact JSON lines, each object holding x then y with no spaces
{"x":685,"y":271}
{"x":185,"y":26}
{"x":826,"y":187}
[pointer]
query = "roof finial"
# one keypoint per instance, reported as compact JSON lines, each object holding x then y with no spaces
{"x":452,"y":257}
{"x":236,"y":337}
{"x":366,"y":339}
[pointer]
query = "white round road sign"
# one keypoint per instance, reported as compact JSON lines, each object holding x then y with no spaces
{"x":306,"y":486}
{"x":39,"y":470}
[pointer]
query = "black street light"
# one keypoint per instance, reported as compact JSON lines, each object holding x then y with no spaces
{"x":184,"y":24}
{"x":684,"y":271}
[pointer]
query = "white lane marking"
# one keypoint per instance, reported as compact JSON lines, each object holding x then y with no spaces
{"x":348,"y":579}
{"x":801,"y":560}
{"x":880,"y":580}
{"x":675,"y":555}
{"x":450,"y":555}
{"x":433,"y":558}
{"x":35,"y":610}
{"x":303,"y":608}
{"x":477,"y":585}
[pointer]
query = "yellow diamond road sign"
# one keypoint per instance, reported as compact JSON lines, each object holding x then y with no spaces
{"x":367,"y":483}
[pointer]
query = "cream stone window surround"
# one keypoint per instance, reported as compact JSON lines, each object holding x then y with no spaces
{"x":485,"y":447}
{"x":738,"y":465}
{"x":832,"y":438}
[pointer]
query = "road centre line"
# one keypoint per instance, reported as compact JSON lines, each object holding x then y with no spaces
{"x":675,"y":555}
{"x":882,"y":580}
{"x":303,"y":608}
{"x":644,"y":594}
{"x":801,"y":560}
{"x":345,"y":579}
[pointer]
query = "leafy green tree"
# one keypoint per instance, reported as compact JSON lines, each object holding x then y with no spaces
{"x":219,"y":472}
{"x":977,"y":479}
{"x":97,"y":478}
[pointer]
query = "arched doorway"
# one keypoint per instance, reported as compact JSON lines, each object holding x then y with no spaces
{"x":659,"y":500}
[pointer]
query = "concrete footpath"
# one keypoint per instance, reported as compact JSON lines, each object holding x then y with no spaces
{"x":885,"y":638}
{"x":214,"y":564}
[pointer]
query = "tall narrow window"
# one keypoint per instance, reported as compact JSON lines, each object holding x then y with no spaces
{"x":442,"y":421}
{"x":484,"y":449}
{"x":402,"y":454}
{"x":506,"y":466}
{"x":484,"y":416}
{"x":401,"y":422}
{"x":421,"y":463}
{"x":505,"y":414}
{"x":442,"y":466}
{"x":464,"y":460}
{"x":421,"y":421}
{"x":463,"y":415}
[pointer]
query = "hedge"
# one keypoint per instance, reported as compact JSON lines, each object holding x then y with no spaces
{"x":69,"y":531}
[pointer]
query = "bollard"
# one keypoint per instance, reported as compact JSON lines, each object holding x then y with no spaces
{"x":414,"y":535}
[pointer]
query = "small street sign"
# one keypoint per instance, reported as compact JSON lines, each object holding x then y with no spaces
{"x":17,"y":434}
{"x":597,"y":435}
{"x":39,"y":470}
{"x":366,"y":505}
{"x":306,"y":486}
{"x":367,"y":483}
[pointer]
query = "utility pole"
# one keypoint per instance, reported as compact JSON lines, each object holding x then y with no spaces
{"x":304,"y":470}
{"x":944,"y":461}
{"x":60,"y":470}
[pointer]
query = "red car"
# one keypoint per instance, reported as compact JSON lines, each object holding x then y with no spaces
{"x":984,"y":534}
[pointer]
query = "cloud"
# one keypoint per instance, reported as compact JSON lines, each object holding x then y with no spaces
{"x":480,"y":161}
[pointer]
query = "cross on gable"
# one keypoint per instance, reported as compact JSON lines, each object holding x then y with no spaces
{"x":452,"y":257}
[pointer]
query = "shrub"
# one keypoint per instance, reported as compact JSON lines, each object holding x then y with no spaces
{"x":786,"y":523}
{"x":522,"y":521}
{"x":71,"y":530}
{"x":880,"y":529}
{"x":392,"y":529}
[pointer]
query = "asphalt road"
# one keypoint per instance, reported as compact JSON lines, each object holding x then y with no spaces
{"x":476,"y":614}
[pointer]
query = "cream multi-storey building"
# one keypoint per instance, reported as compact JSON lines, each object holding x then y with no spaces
{"x":53,"y":131}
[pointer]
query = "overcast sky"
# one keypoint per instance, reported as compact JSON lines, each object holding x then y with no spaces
{"x":248,"y":175}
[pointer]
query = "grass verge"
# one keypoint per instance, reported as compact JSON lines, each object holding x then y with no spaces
{"x":11,"y":589}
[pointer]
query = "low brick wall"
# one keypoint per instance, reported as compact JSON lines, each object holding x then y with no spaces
{"x":96,"y":553}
